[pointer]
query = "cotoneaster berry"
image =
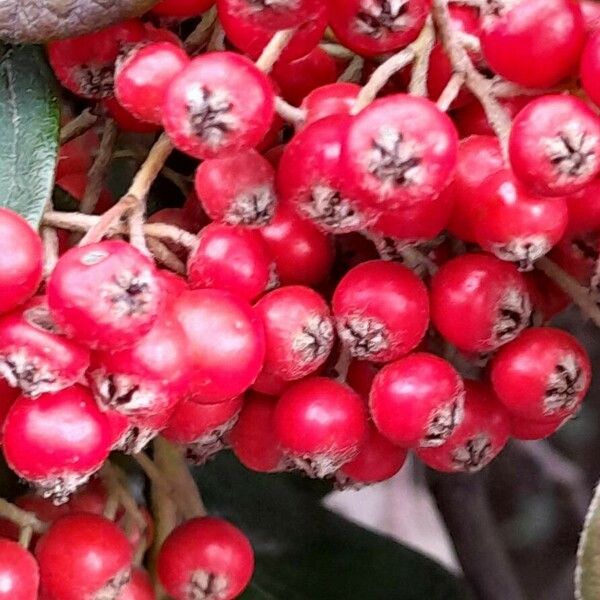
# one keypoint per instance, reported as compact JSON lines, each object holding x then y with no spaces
{"x":138,"y":588}
{"x":205,"y":558}
{"x":584,"y":210}
{"x":181,"y":8}
{"x":381,"y":311}
{"x":327,"y":100}
{"x":19,"y":572}
{"x":137,"y":431}
{"x":320,"y":424}
{"x":360,"y":376}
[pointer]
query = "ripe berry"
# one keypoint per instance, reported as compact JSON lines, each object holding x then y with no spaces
{"x":377,"y":26}
{"x":547,"y":298}
{"x":148,"y":378}
{"x":299,"y":331}
{"x":327,"y":100}
{"x":84,"y":556}
{"x":360,"y":376}
{"x":85,"y":64}
{"x":584,"y":210}
{"x":138,"y":588}
{"x":19,"y":573}
{"x":21,"y":263}
{"x":125,"y":120}
{"x":554,"y":145}
{"x":417,"y":401}
{"x":315,"y":190}
{"x":202,"y":428}
{"x":267,"y":383}
{"x":144,"y":75}
{"x":377,"y":460}
{"x":381,"y":311}
{"x":514,"y":224}
{"x":34,"y":356}
{"x":590,"y":66}
{"x":253,"y":438}
{"x":547,"y":34}
{"x":591,"y":16}
{"x":479,"y":156}
{"x":8,"y":395}
{"x":106,"y":295}
{"x":274,"y":14}
{"x":399,"y":151}
{"x":219,"y":104}
{"x":225,"y":344}
{"x":544,"y":374}
{"x":237,"y":189}
{"x":480,"y":437}
{"x":140,"y":430}
{"x":181,"y":8}
{"x":303,"y":255}
{"x":491,"y":292}
{"x":320,"y":424}
{"x":56,"y":442}
{"x":205,"y":558}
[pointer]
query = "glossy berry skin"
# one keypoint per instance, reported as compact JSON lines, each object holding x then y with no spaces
{"x":85,"y":64}
{"x":417,"y":401}
{"x":148,"y":378}
{"x":381,"y":311}
{"x":480,"y":437}
{"x":376,"y":26}
{"x":492,"y":292}
{"x":299,"y":331}
{"x":219,"y":104}
{"x":315,"y":190}
{"x":139,"y":431}
{"x":107,"y":295}
{"x":138,"y":588}
{"x":526,"y":430}
{"x":554,"y":145}
{"x":515,"y":224}
{"x":269,"y":384}
{"x":202,"y":428}
{"x":83,"y":556}
{"x":512,"y":39}
{"x":233,"y":259}
{"x":377,"y":460}
{"x":302,"y":253}
{"x":58,"y":441}
{"x":19,"y":573}
{"x":21,"y":264}
{"x":399,"y":151}
{"x":584,"y":210}
{"x":208,"y":556}
{"x":8,"y":395}
{"x":253,"y":438}
{"x":590,"y":67}
{"x":281,"y":14}
{"x":125,"y":120}
{"x":34,"y":356}
{"x":181,"y":8}
{"x":143,"y":77}
{"x":226,"y":344}
{"x":320,"y":424}
{"x":327,"y":100}
{"x":544,"y":374}
{"x":360,"y":376}
{"x":237,"y":189}
{"x":479,"y":156}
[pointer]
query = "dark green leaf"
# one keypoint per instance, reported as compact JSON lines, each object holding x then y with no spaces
{"x":29,"y":127}
{"x":305,"y":552}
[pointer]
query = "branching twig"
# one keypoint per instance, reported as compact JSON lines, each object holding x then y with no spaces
{"x":272,"y":51}
{"x":78,"y":126}
{"x":418,"y":78}
{"x":115,"y":488}
{"x":353,"y":71}
{"x":21,"y":517}
{"x":164,"y":256}
{"x":203,"y":32}
{"x":450,"y":92}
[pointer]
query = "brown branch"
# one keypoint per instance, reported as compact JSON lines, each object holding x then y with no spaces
{"x":78,"y":126}
{"x":418,"y":77}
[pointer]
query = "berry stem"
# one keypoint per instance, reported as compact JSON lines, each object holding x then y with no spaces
{"x":418,"y":78}
{"x":353,"y":71}
{"x":270,"y":55}
{"x":450,"y":92}
{"x":50,"y":243}
{"x":203,"y":32}
{"x":337,"y":51}
{"x":78,"y":126}
{"x":25,"y":536}
{"x":289,"y":113}
{"x":165,"y":256}
{"x":111,"y":480}
{"x":21,"y":517}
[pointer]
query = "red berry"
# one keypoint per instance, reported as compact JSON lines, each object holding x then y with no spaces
{"x":19,"y":573}
{"x":85,"y":64}
{"x":547,"y":34}
{"x":333,"y":99}
{"x":516,"y":225}
{"x":320,"y":424}
{"x":547,"y":298}
{"x":138,"y":588}
{"x":374,"y":27}
{"x":219,"y":104}
{"x":381,"y":311}
{"x":544,"y":374}
{"x":253,"y":438}
{"x":377,"y":460}
{"x":360,"y":376}
{"x":417,"y":401}
{"x":21,"y":263}
{"x":591,"y":15}
{"x":554,"y":145}
{"x":299,"y":331}
{"x":267,"y":383}
{"x":399,"y":151}
{"x":479,"y":156}
{"x":480,"y":437}
{"x":107,"y":295}
{"x":205,"y":558}
{"x":491,"y":292}
{"x":274,"y":14}
{"x":181,"y":8}
{"x":8,"y":395}
{"x":524,"y":429}
{"x":125,"y":120}
{"x":140,"y":430}
{"x":143,"y":77}
{"x":202,"y":428}
{"x":225,"y":344}
{"x":316,"y":189}
{"x":237,"y":189}
{"x":84,"y":556}
{"x":58,"y":441}
{"x":303,"y":255}
{"x":584,"y":210}
{"x":590,"y":66}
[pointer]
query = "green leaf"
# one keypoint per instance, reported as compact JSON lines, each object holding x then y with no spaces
{"x":305,"y":552}
{"x":587,"y":573}
{"x":29,"y":129}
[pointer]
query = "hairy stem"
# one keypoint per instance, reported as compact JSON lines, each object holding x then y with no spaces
{"x":21,"y":517}
{"x":270,"y":55}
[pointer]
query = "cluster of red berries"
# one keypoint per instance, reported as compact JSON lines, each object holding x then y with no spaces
{"x":323,"y":301}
